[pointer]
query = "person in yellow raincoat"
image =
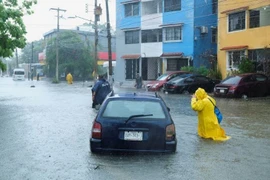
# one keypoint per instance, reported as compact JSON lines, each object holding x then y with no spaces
{"x":69,"y":78}
{"x":208,"y":126}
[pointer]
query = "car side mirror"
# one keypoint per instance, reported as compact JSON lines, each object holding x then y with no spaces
{"x":168,"y":109}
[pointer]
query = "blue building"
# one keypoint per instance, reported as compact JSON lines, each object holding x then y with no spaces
{"x":158,"y":36}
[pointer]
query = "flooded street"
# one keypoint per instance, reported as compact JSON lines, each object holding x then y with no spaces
{"x":44,"y":134}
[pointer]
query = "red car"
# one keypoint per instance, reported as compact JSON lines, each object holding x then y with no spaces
{"x":158,"y":83}
{"x":243,"y":86}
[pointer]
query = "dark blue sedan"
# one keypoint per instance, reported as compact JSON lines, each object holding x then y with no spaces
{"x":133,"y":122}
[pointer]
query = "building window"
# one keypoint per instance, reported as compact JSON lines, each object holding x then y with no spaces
{"x":132,"y":67}
{"x":154,"y":35}
{"x":259,"y":17}
{"x":214,"y":6}
{"x":132,"y":37}
{"x":256,"y":54}
{"x":152,"y":7}
{"x":175,"y":64}
{"x":173,"y":33}
{"x":131,"y":9}
{"x":237,"y":21}
{"x":234,"y":58}
{"x":254,"y":19}
{"x":172,"y":5}
{"x":214,"y":35}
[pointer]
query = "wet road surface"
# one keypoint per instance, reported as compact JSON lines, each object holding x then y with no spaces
{"x":44,"y":134}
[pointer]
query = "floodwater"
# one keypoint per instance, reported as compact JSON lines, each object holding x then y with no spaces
{"x":45,"y":129}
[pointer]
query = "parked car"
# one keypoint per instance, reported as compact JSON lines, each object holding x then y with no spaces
{"x":157,"y":85}
{"x":133,"y":122}
{"x":243,"y":86}
{"x":189,"y":83}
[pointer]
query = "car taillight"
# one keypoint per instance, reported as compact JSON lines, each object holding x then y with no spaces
{"x":170,"y":132}
{"x":96,"y":130}
{"x":232,"y":88}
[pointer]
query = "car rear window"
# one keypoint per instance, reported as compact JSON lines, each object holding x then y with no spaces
{"x":232,"y":80}
{"x":125,"y":108}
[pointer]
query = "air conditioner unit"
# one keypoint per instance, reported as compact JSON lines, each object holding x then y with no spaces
{"x":204,"y":30}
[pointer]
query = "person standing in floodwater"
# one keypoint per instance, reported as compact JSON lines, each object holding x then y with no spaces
{"x":69,"y":78}
{"x":138,"y":81}
{"x":208,"y":126}
{"x":100,"y":91}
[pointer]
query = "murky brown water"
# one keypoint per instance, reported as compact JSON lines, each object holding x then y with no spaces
{"x":44,"y":134}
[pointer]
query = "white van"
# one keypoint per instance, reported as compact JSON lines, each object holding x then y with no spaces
{"x":18,"y":74}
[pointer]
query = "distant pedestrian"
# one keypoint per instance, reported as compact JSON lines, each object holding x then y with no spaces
{"x":100,"y":91}
{"x":208,"y":126}
{"x":138,"y":81}
{"x":69,"y":78}
{"x":32,"y":75}
{"x":37,"y":76}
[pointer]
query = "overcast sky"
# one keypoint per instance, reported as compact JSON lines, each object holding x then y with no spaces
{"x":44,"y":20}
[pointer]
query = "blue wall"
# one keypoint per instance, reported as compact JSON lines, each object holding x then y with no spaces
{"x":185,"y":16}
{"x":203,"y":17}
{"x":193,"y":14}
{"x":126,"y":22}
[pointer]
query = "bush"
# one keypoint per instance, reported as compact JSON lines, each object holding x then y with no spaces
{"x":215,"y":74}
{"x":187,"y":68}
{"x":201,"y":70}
{"x":55,"y":81}
{"x":246,"y":66}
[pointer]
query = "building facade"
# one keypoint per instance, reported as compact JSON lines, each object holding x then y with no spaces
{"x":157,"y":36}
{"x":244,"y":32}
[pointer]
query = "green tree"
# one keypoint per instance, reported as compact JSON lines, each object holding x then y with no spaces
{"x":26,"y":56}
{"x":3,"y":67}
{"x":12,"y":28}
{"x":74,"y":56}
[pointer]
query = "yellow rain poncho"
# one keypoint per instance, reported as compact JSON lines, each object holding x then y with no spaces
{"x":208,"y":126}
{"x":69,"y":78}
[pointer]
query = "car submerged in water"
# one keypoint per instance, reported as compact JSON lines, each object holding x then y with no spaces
{"x":243,"y":86}
{"x":133,"y":122}
{"x":157,"y":85}
{"x":189,"y":83}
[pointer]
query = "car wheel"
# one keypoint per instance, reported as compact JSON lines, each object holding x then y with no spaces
{"x":185,"y":92}
{"x":93,"y":150}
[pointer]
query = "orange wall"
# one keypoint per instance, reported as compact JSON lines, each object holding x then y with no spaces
{"x":255,"y":38}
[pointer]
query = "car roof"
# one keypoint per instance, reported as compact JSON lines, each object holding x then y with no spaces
{"x":135,"y":95}
{"x":246,"y":74}
{"x":175,"y":72}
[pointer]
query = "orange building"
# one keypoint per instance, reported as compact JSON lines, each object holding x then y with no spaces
{"x":243,"y":31}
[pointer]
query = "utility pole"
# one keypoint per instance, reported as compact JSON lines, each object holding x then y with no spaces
{"x":109,"y":43}
{"x":17,"y":60}
{"x":32,"y":60}
{"x":57,"y":48}
{"x":97,"y":13}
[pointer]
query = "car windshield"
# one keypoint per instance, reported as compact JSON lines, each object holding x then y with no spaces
{"x":162,"y":77}
{"x":19,"y":72}
{"x":231,"y":80}
{"x":124,"y":108}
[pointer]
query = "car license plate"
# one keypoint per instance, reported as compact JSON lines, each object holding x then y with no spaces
{"x":133,"y":136}
{"x":222,"y":91}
